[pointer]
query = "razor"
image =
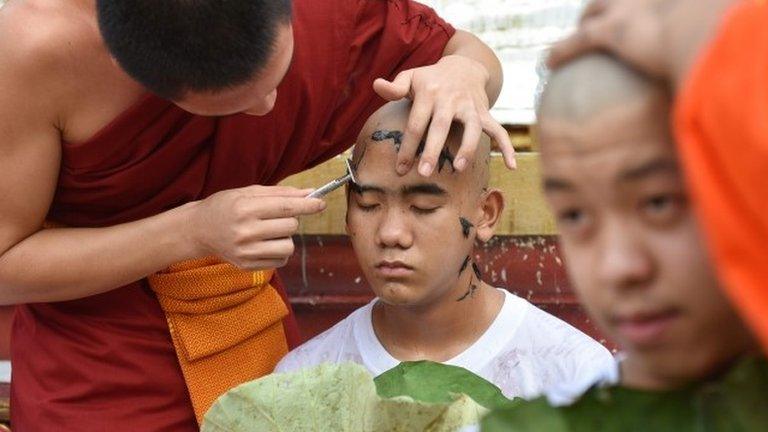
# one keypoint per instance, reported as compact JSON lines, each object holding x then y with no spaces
{"x":335,"y":184}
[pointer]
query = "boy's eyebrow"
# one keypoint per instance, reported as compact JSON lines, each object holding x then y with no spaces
{"x":423,"y":188}
{"x":552,"y":184}
{"x":420,"y":188}
{"x":655,"y":166}
{"x":362,"y":188}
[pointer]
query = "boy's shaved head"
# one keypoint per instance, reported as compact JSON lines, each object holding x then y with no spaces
{"x":425,"y":225}
{"x":386,"y":127}
{"x":591,"y":85}
{"x":630,"y":239}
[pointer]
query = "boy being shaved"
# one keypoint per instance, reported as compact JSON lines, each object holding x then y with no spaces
{"x":414,"y":239}
{"x":640,"y":267}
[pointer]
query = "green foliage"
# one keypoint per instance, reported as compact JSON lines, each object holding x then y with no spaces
{"x":738,"y":402}
{"x":337,"y":398}
{"x":427,"y":381}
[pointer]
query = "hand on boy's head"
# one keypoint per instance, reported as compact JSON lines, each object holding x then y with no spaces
{"x":451,"y":90}
{"x":630,"y":240}
{"x":659,"y":37}
{"x":405,"y":229}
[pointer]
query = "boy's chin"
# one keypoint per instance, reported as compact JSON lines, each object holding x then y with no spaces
{"x":677,"y":367}
{"x":398,"y":294}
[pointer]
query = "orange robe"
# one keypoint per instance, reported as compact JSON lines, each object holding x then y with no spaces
{"x":721,"y":123}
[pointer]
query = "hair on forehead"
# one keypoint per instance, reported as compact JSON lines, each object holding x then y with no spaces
{"x":590,"y":85}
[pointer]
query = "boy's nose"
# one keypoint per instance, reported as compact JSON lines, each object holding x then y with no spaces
{"x":625,"y":261}
{"x":393,"y":231}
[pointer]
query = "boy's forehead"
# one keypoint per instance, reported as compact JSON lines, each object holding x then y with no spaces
{"x":642,"y":126}
{"x":375,"y":161}
{"x":606,"y":167}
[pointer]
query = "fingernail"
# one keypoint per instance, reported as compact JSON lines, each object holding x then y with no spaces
{"x":460,"y":164}
{"x":425,"y":169}
{"x":402,"y":167}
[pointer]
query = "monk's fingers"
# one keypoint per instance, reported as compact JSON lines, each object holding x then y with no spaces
{"x":418,"y":119}
{"x":285,"y":207}
{"x":593,"y":33}
{"x":263,"y":264}
{"x":396,"y":89}
{"x":500,"y":135}
{"x":473,"y":130}
{"x":287,"y":191}
{"x":435,"y":141}
{"x":269,"y":229}
{"x":593,"y":9}
{"x":275,"y":251}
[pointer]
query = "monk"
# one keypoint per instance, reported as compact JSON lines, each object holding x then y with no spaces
{"x":633,"y":251}
{"x":713,"y":53}
{"x":146,"y":138}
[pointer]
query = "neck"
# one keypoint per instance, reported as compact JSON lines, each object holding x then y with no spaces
{"x":439,"y":330}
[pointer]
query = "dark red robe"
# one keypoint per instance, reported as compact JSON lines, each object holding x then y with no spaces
{"x":106,"y":363}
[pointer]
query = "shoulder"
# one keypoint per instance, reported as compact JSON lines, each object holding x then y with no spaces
{"x":326,"y":347}
{"x":40,"y":42}
{"x":42,"y":34}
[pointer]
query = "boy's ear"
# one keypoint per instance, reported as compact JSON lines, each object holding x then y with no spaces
{"x":491,"y":207}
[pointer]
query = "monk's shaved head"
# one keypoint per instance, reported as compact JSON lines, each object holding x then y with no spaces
{"x":591,"y":85}
{"x":386,"y":126}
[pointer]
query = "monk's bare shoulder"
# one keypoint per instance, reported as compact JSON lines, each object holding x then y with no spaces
{"x":53,"y":58}
{"x":36,"y":41}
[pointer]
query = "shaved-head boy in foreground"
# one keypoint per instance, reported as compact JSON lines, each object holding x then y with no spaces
{"x":414,"y":238}
{"x":638,"y":263}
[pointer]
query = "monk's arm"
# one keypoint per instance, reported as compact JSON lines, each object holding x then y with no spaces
{"x":250,"y":227}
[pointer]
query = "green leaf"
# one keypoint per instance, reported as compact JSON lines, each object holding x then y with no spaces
{"x":338,"y":398}
{"x":737,"y":402}
{"x":432,"y":382}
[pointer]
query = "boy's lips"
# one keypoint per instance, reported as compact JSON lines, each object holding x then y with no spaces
{"x":645,"y":329}
{"x":390,"y":269}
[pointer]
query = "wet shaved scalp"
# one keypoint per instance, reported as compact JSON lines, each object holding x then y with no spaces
{"x":386,"y":126}
{"x":590,"y":85}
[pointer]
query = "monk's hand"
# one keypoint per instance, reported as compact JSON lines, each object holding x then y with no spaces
{"x":453,"y":89}
{"x":251,"y":227}
{"x":633,"y":30}
{"x":662,"y":38}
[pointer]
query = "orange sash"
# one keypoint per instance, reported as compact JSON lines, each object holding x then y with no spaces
{"x":226,"y":325}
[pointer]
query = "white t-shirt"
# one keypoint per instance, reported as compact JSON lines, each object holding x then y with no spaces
{"x":523,"y":352}
{"x":568,"y":392}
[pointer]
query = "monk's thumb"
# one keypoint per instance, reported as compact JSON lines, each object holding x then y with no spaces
{"x":394,"y":90}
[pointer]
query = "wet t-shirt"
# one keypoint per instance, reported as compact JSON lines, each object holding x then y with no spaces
{"x":524,"y":351}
